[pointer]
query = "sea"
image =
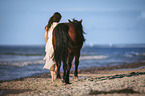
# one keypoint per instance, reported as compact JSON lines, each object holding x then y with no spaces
{"x":24,"y":61}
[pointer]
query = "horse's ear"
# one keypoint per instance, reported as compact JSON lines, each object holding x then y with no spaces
{"x":73,"y":19}
{"x":81,"y":20}
{"x":69,"y":21}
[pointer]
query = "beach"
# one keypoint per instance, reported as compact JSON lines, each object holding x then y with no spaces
{"x":122,"y":80}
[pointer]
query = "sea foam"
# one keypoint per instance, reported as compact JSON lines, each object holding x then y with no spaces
{"x":92,"y":57}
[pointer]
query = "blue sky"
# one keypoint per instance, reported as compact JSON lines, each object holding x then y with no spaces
{"x":22,"y":22}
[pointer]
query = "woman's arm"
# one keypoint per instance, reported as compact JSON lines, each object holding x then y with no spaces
{"x":46,"y":33}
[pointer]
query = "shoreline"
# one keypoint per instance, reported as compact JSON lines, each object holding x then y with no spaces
{"x":126,"y":66}
{"x":94,"y":81}
{"x":95,"y":70}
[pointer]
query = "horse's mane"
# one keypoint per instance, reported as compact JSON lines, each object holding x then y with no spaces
{"x":79,"y":27}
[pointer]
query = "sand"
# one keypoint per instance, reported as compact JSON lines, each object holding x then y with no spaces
{"x":101,"y":82}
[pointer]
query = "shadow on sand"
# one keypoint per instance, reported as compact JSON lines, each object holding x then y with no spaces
{"x":125,"y":91}
{"x":13,"y":91}
{"x":117,"y":76}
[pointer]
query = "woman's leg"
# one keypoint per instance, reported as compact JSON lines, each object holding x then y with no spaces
{"x":55,"y":72}
{"x":52,"y":72}
{"x":52,"y":76}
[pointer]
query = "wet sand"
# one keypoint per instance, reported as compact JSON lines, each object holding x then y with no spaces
{"x":108,"y":81}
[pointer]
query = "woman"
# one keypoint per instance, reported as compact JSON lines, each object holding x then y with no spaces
{"x":50,"y":64}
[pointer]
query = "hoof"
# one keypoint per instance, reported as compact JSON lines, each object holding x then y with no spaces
{"x":68,"y":83}
{"x":75,"y":78}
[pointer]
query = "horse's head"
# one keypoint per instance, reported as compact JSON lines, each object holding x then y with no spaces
{"x":78,"y":25}
{"x":75,"y":21}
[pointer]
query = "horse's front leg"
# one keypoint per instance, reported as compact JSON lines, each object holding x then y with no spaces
{"x":76,"y":68}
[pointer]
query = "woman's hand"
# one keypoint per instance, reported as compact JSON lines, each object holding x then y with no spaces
{"x":46,"y":34}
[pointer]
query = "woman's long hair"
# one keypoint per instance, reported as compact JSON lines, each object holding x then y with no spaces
{"x":55,"y":18}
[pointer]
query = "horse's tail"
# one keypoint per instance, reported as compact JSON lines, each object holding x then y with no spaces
{"x":61,"y":42}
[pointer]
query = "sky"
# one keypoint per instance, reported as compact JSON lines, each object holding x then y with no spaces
{"x":22,"y":22}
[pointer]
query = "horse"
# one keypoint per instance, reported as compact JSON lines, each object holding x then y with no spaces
{"x":67,"y":42}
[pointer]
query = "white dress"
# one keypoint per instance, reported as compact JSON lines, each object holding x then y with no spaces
{"x":49,"y":48}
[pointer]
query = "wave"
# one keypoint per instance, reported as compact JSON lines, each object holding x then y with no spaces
{"x":26,"y":63}
{"x":133,"y":54}
{"x":142,"y":54}
{"x":22,"y":64}
{"x":92,"y":57}
{"x":24,"y":54}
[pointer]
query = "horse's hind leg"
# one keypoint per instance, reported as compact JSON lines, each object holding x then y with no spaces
{"x":64,"y":70}
{"x":70,"y":59}
{"x":77,"y":56}
{"x":58,"y":77}
{"x":58,"y":70}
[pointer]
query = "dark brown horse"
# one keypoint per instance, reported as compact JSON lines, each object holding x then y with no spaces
{"x":67,"y":41}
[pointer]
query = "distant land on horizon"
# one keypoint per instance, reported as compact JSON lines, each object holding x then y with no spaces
{"x":116,"y":45}
{"x":92,"y":45}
